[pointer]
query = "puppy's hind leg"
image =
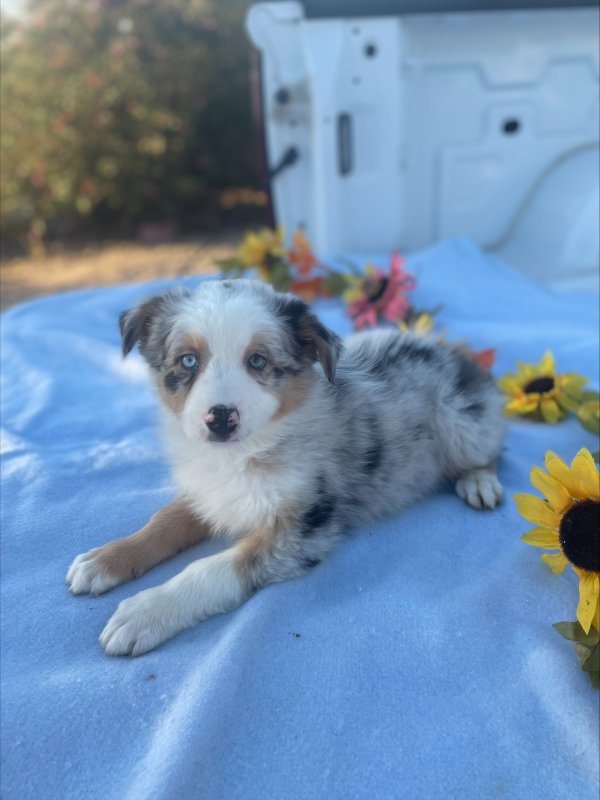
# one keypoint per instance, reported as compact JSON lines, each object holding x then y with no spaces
{"x":471,"y":434}
{"x":480,"y":488}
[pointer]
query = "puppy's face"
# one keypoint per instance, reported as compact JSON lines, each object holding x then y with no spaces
{"x":230,"y":357}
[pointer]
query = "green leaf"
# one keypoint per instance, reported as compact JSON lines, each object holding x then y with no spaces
{"x":596,"y":456}
{"x":587,"y":648}
{"x":231,"y":265}
{"x":589,"y":395}
{"x":279,"y":274}
{"x":335,"y":283}
{"x":592,"y":662}
{"x":569,"y":630}
{"x":593,"y":426}
{"x":575,"y":633}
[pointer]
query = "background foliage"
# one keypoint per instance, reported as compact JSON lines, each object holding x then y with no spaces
{"x":116,"y":113}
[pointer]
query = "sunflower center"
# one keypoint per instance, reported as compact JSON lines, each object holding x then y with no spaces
{"x":579,"y":535}
{"x":377,"y":288}
{"x":539,"y":385}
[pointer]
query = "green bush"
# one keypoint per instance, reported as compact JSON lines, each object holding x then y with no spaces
{"x":116,"y":113}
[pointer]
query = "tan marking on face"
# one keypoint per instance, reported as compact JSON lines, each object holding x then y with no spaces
{"x":172,"y":529}
{"x":175,"y":401}
{"x":292,"y":392}
{"x":290,"y":389}
{"x":190,"y":343}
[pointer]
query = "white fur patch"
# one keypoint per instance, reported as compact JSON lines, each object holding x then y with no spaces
{"x":223,"y":489}
{"x":84,"y":575}
{"x":208,"y":586}
{"x":480,"y":488}
{"x":227,"y":323}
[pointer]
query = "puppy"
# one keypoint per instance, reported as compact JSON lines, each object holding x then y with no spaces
{"x":281,"y":439}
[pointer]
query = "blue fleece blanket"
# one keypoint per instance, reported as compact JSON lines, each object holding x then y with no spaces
{"x":418,"y":661}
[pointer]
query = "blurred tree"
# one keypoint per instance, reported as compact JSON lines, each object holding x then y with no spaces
{"x":121,"y":112}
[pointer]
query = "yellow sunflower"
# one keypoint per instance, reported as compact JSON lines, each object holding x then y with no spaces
{"x":258,"y":248}
{"x":568,"y":520}
{"x":537,"y":390}
{"x":421,"y":323}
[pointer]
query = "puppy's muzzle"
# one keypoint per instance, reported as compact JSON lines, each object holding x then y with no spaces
{"x":222,"y":421}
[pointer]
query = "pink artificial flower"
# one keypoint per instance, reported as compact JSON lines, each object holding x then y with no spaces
{"x":379,"y":295}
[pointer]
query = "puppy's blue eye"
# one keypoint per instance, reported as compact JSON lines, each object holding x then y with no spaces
{"x":189,"y":361}
{"x":257,"y":362}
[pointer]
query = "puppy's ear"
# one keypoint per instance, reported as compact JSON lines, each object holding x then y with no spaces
{"x":314,"y":341}
{"x":136,"y":323}
{"x":149,"y":324}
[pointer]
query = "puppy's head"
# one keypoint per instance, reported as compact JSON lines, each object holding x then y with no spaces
{"x":230,"y":357}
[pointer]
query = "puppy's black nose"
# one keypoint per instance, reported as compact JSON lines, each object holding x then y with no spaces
{"x":222,"y":421}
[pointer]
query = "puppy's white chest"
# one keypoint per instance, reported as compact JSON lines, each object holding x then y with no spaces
{"x":231,"y":494}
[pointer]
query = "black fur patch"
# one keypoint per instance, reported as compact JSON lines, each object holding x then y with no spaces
{"x":311,"y":340}
{"x":309,"y":563}
{"x":469,"y":377}
{"x":318,"y":515}
{"x":149,"y":324}
{"x":374,"y":454}
{"x":475,"y":409}
{"x":399,"y":351}
{"x":414,"y":351}
{"x":291,"y":310}
{"x":172,"y":382}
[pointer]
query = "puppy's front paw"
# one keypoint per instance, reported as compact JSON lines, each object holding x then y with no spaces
{"x":480,"y":488}
{"x":88,"y":575}
{"x":140,"y":623}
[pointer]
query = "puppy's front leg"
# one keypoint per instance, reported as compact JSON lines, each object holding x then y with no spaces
{"x":209,"y":586}
{"x":169,"y":531}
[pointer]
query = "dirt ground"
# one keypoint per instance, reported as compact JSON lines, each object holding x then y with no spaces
{"x":109,"y":264}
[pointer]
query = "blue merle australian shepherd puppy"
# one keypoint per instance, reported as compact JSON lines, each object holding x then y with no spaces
{"x":281,"y":438}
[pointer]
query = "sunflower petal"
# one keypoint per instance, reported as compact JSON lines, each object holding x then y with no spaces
{"x":553,"y":490}
{"x":559,"y":470}
{"x":546,"y":365}
{"x":568,"y":402}
{"x":535,"y":510}
{"x":588,"y":599}
{"x":521,"y":405}
{"x":585,"y":473}
{"x":509,"y":383}
{"x":556,"y":561}
{"x":542,"y":537}
{"x":526,"y":371}
{"x":573,"y":382}
{"x":551,"y":411}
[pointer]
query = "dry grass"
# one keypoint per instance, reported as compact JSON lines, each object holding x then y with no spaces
{"x":110,"y":264}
